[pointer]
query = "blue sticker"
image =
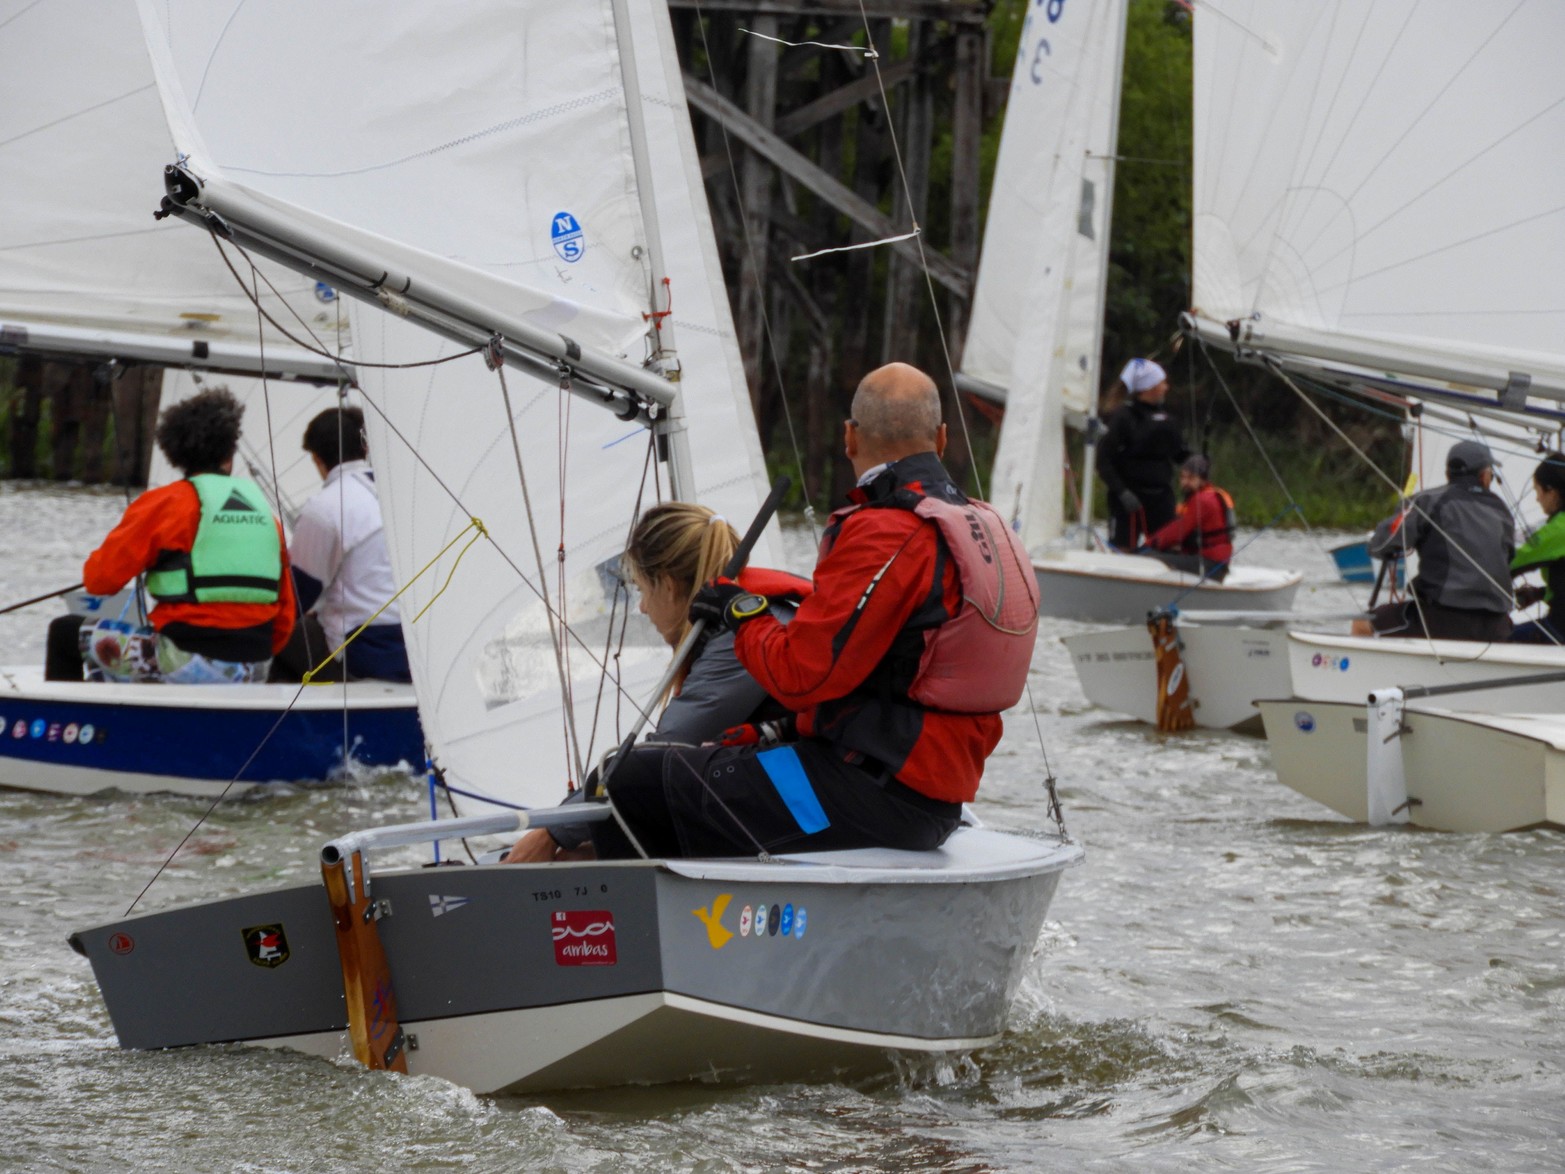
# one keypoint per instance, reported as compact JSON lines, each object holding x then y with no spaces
{"x":787,"y":921}
{"x":324,"y":292}
{"x":799,"y":920}
{"x":39,"y":726}
{"x":1305,"y":721}
{"x":565,"y":232}
{"x":1344,"y":665}
{"x":783,"y":767}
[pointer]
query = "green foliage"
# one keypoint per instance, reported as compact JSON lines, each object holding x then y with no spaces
{"x":1149,"y":260}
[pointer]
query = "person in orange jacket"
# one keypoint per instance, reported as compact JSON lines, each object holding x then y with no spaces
{"x":215,"y":560}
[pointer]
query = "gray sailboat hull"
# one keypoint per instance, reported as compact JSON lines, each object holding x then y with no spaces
{"x":553,"y":976}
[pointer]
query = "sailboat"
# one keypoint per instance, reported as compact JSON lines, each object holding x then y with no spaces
{"x":1321,"y":256}
{"x":92,"y":277}
{"x":1351,"y":228}
{"x":547,"y":216}
{"x":1037,"y":325}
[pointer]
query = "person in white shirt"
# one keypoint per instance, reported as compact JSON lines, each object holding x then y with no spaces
{"x":341,"y":571}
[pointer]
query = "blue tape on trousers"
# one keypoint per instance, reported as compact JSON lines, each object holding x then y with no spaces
{"x":783,"y":767}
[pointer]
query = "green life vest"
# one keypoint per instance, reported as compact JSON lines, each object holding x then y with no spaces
{"x":237,"y":556}
{"x":1546,"y":551}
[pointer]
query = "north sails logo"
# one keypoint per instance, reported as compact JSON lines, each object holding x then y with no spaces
{"x":439,"y":906}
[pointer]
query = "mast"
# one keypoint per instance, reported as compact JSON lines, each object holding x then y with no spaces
{"x":670,"y":427}
{"x":1093,"y":427}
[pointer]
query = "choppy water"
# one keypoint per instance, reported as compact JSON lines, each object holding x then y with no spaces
{"x":1232,"y":981}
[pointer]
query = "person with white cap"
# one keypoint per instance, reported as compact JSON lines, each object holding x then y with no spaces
{"x":1465,"y":537}
{"x":1137,"y":457}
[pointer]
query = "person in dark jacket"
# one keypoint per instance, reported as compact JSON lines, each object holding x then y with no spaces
{"x":1545,"y":552}
{"x":1137,"y":457}
{"x":1464,"y":536}
{"x":675,"y":548}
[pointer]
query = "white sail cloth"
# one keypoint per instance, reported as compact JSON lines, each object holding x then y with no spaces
{"x":535,"y":157}
{"x":1037,"y":324}
{"x":81,"y":259}
{"x":1381,"y":181}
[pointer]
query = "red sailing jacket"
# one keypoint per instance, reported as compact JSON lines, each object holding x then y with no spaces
{"x":845,"y":662}
{"x":1204,"y":526}
{"x":166,"y":519}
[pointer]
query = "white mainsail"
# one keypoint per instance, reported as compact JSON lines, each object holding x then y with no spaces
{"x":1376,"y":189}
{"x":534,"y":164}
{"x":1037,"y":325}
{"x":84,"y":269}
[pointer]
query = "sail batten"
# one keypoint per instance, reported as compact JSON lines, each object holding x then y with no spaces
{"x":1377,"y":185}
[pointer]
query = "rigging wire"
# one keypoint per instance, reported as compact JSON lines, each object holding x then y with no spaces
{"x":556,"y":639}
{"x":766,"y":318}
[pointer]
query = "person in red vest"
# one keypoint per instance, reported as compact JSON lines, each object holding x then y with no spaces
{"x":918,"y":634}
{"x":1200,"y":539}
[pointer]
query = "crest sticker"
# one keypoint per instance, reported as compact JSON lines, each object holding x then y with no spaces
{"x":583,"y":937}
{"x":267,"y":945}
{"x":566,"y":235}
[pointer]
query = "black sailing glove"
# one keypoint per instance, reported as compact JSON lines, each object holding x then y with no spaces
{"x":724,"y":603}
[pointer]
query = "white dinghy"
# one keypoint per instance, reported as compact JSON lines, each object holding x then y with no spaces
{"x":1348,"y":231}
{"x":1391,"y":762}
{"x":1037,"y":326}
{"x":540,"y":212}
{"x":90,"y":277}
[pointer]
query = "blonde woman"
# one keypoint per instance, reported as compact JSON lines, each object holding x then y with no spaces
{"x":675,"y":548}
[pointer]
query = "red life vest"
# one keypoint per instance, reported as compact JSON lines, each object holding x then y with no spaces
{"x":777,"y":586}
{"x":977,"y":661}
{"x":1215,"y":544}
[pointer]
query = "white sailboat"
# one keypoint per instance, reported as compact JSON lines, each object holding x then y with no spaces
{"x":1348,"y":228}
{"x":1037,"y":323}
{"x":1352,"y":226}
{"x":86,"y":273}
{"x":542,"y":210}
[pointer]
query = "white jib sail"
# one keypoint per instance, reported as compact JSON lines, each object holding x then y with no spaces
{"x":490,"y":147}
{"x":1380,"y":182}
{"x":84,"y":268}
{"x":1037,"y":323}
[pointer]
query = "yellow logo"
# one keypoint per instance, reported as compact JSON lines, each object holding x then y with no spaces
{"x":713,"y":920}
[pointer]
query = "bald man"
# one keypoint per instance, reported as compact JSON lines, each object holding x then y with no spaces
{"x":896,"y":669}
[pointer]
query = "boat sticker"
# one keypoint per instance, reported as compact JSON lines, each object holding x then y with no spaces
{"x":54,"y":731}
{"x":746,"y":916}
{"x":70,"y":733}
{"x":787,"y":921}
{"x":86,"y":734}
{"x":267,"y":945}
{"x":39,"y":725}
{"x":122,"y":943}
{"x":774,"y":922}
{"x":324,"y":293}
{"x":1304,"y":721}
{"x":800,"y":918}
{"x":712,"y":917}
{"x":1322,"y":660}
{"x":19,"y":730}
{"x":761,"y":914}
{"x":565,"y":232}
{"x":584,"y":937}
{"x":443,"y":905}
